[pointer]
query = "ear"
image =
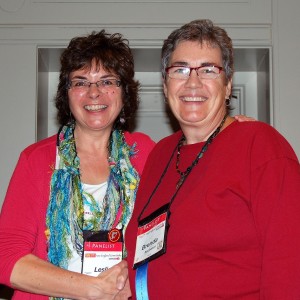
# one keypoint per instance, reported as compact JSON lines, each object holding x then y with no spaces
{"x":165,"y":88}
{"x":228,"y":89}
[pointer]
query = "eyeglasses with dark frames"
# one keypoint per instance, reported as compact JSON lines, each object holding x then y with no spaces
{"x":83,"y":84}
{"x":203,"y":72}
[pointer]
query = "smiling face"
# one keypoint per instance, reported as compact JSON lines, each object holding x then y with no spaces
{"x":198,"y":104}
{"x":95,"y":108}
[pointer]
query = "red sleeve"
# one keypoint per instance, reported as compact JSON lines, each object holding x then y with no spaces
{"x":23,"y":215}
{"x":143,"y":146}
{"x":17,"y":228}
{"x":276,"y":210}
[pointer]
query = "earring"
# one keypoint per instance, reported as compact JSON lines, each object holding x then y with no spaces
{"x":122,"y":117}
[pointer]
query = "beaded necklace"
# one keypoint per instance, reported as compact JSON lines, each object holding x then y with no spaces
{"x":184,"y":174}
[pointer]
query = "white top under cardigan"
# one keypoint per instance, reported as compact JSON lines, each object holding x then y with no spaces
{"x":98,"y":192}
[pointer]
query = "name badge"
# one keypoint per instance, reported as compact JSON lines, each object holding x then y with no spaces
{"x":100,"y":252}
{"x":152,"y":236}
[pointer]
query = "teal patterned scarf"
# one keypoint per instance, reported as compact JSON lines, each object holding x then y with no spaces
{"x":65,"y":213}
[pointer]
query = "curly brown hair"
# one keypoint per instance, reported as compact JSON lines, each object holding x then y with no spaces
{"x":112,"y":52}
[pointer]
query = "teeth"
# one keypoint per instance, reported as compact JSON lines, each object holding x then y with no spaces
{"x":95,"y":107}
{"x":193,"y":99}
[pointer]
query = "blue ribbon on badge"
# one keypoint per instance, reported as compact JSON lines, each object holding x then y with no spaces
{"x":141,"y":284}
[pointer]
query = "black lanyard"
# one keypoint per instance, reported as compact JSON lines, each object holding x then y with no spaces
{"x":189,"y":170}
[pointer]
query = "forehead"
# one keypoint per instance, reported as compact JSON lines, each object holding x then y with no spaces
{"x":193,"y":52}
{"x":92,"y":69}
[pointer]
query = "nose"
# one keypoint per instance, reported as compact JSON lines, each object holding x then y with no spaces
{"x":94,"y":91}
{"x":194,"y":79}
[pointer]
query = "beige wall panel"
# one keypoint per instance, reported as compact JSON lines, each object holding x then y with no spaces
{"x":133,"y":12}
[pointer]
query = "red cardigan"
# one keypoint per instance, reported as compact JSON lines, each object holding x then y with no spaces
{"x":235,"y":223}
{"x":22,"y":220}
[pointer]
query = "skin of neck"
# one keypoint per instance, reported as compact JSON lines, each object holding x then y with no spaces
{"x":91,"y":141}
{"x":201,"y":132}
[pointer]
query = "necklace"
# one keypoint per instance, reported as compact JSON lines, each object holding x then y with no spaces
{"x":184,"y":174}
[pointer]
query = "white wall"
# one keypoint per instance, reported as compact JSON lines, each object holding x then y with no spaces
{"x":286,"y":69}
{"x":27,"y":25}
{"x":18,"y":106}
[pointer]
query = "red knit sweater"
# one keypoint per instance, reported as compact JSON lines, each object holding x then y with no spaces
{"x":234,"y":225}
{"x":23,"y":216}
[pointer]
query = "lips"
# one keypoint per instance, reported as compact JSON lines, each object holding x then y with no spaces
{"x":95,"y":107}
{"x":194,"y":99}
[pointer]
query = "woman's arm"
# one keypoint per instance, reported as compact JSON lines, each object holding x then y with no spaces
{"x":37,"y":276}
{"x":243,"y":118}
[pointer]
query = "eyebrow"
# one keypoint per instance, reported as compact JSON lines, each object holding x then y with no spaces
{"x":111,"y":76}
{"x":78,"y":77}
{"x":185,"y":64}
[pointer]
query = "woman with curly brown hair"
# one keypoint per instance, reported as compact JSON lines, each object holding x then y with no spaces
{"x":71,"y":195}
